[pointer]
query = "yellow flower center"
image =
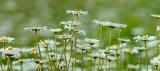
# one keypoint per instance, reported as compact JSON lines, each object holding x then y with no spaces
{"x":145,"y":37}
{"x":4,"y":39}
{"x":34,"y":49}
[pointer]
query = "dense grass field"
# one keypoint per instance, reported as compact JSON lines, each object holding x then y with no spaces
{"x":79,"y":35}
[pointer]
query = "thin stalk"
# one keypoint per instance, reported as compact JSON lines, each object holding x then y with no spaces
{"x":75,"y":44}
{"x":82,"y":60}
{"x":21,"y":66}
{"x":36,"y":39}
{"x":1,"y":61}
{"x":94,"y":64}
{"x":91,"y":57}
{"x":50,"y":62}
{"x":65,"y":51}
{"x":100,"y":35}
{"x":121,"y":58}
{"x":109,"y":42}
{"x":9,"y":63}
{"x":109,"y":65}
{"x":117,"y":61}
{"x":145,"y":44}
{"x":140,"y":61}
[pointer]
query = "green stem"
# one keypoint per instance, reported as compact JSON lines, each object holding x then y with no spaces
{"x":121,"y":58}
{"x":109,"y":65}
{"x":100,"y":35}
{"x":140,"y":61}
{"x":94,"y":64}
{"x":50,"y":62}
{"x":1,"y":61}
{"x":21,"y":66}
{"x":82,"y":60}
{"x":36,"y":37}
{"x":145,"y":44}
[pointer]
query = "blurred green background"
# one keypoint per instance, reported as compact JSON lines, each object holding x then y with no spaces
{"x":17,"y":14}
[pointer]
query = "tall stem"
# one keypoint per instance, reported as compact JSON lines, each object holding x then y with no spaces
{"x":82,"y":60}
{"x":145,"y":44}
{"x":121,"y":57}
{"x":21,"y":66}
{"x":140,"y":61}
{"x":36,"y":39}
{"x":100,"y":35}
{"x":50,"y":62}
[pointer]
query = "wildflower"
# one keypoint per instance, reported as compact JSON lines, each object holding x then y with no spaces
{"x":144,"y":38}
{"x":91,"y":41}
{"x":158,"y":28}
{"x":77,"y":13}
{"x":71,"y":25}
{"x":58,"y":30}
{"x":47,"y":44}
{"x":95,"y":55}
{"x":110,"y":24}
{"x":156,"y":62}
{"x":140,"y":48}
{"x":123,"y":40}
{"x":10,"y":52}
{"x":64,"y":36}
{"x":131,"y":66}
{"x":115,"y":47}
{"x":36,"y":29}
{"x":5,"y":39}
{"x":102,"y":55}
{"x":127,"y":50}
{"x":156,"y":16}
{"x":111,"y":58}
{"x":83,"y":47}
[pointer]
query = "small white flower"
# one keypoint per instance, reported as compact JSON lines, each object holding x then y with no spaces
{"x":5,"y":39}
{"x":36,"y":29}
{"x":91,"y":41}
{"x":47,"y":44}
{"x":158,"y":28}
{"x":64,"y":36}
{"x":102,"y":55}
{"x":144,"y":38}
{"x":156,"y":16}
{"x":77,"y":13}
{"x":123,"y":40}
{"x":55,"y":30}
{"x":110,"y":24}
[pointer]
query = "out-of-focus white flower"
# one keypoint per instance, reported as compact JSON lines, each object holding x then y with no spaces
{"x":158,"y":28}
{"x":10,"y":52}
{"x":64,"y":36}
{"x":123,"y":40}
{"x":55,"y":30}
{"x":71,"y":25}
{"x":36,"y":29}
{"x":5,"y":39}
{"x":77,"y":12}
{"x":156,"y":62}
{"x":156,"y":16}
{"x":140,"y":48}
{"x":91,"y":41}
{"x":83,"y":47}
{"x":144,"y":38}
{"x":131,"y":66}
{"x":102,"y":55}
{"x":110,"y":24}
{"x":47,"y":44}
{"x":111,"y":58}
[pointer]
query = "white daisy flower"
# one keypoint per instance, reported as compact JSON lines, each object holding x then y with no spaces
{"x":5,"y":39}
{"x":55,"y":30}
{"x":144,"y":38}
{"x":47,"y":44}
{"x":91,"y":41}
{"x":77,"y":13}
{"x":156,"y":16}
{"x":36,"y":29}
{"x":123,"y":40}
